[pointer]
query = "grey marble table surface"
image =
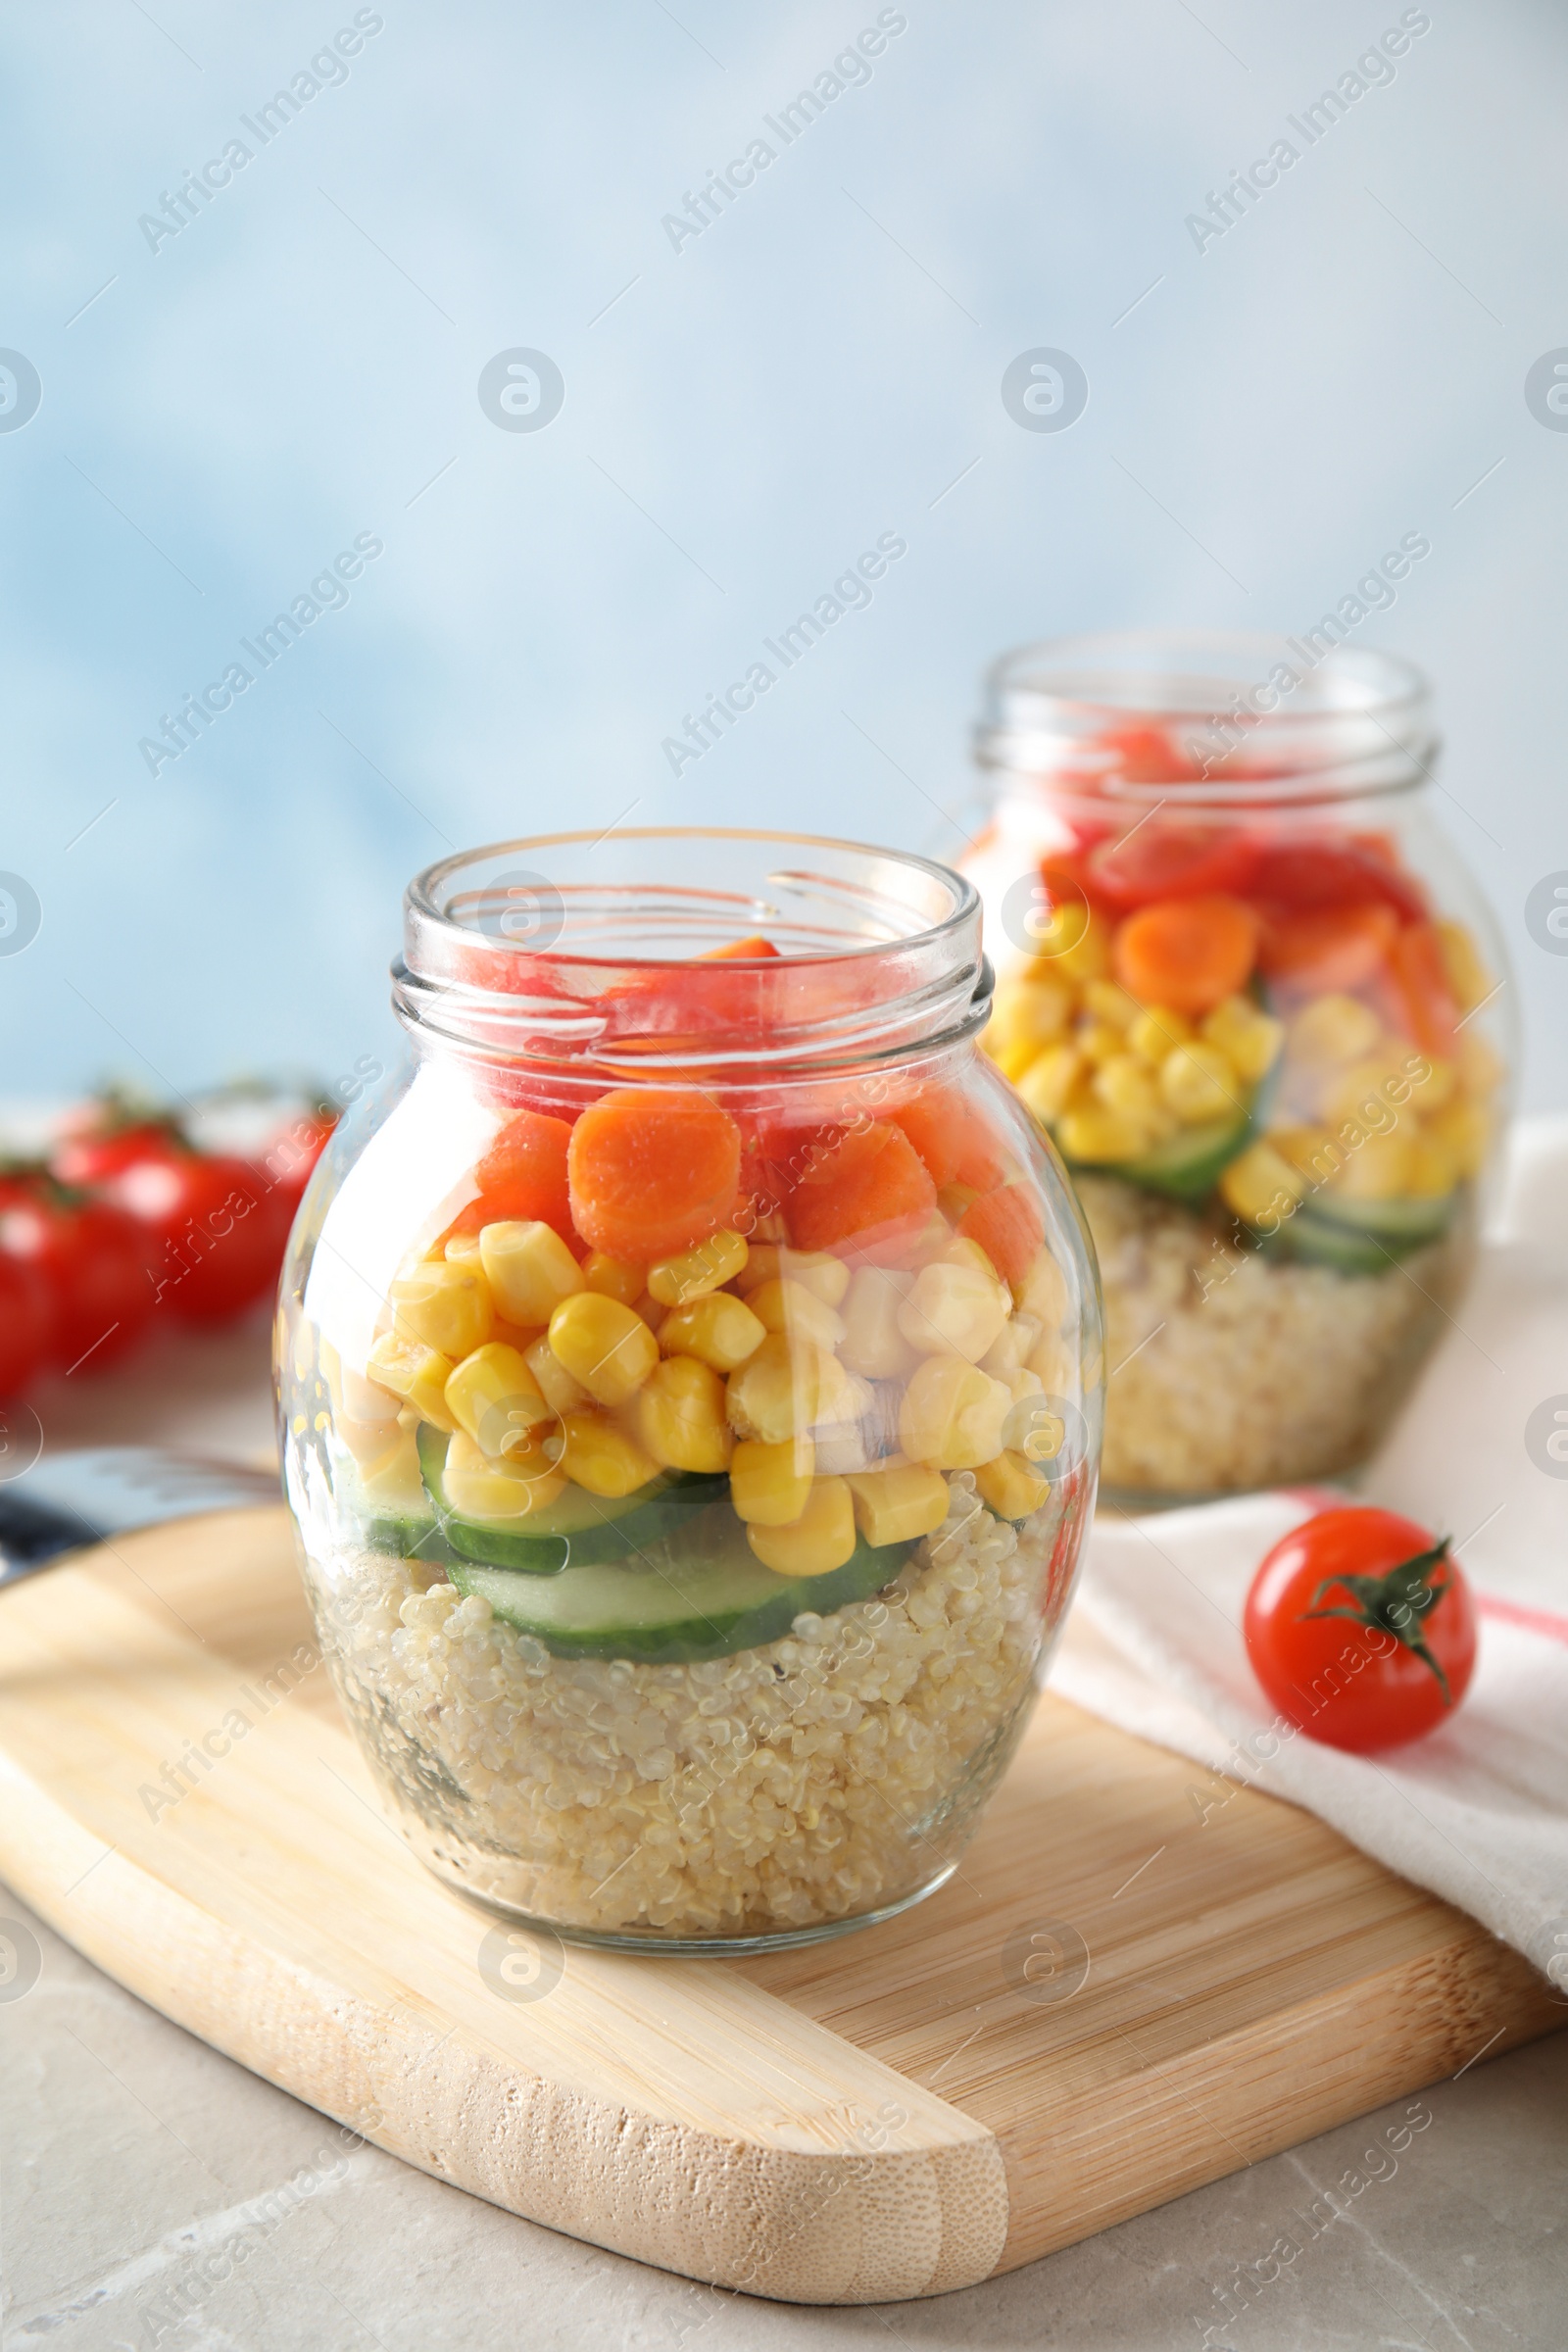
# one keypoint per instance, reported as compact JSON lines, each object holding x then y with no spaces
{"x":153,"y":2193}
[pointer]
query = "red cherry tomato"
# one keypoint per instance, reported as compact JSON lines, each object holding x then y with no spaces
{"x":92,"y":1256}
{"x":91,"y":1154}
{"x":26,"y":1323}
{"x":1361,"y":1629}
{"x":289,"y":1160}
{"x":216,"y":1231}
{"x":1157,"y":860}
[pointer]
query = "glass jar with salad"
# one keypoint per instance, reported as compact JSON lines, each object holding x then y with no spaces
{"x":689,"y":1376}
{"x":1252,"y":993}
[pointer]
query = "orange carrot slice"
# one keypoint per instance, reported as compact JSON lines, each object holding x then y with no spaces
{"x":523,"y":1175}
{"x":1009,"y":1227}
{"x":753,"y":946}
{"x":952,"y":1137}
{"x":1188,"y":953}
{"x":652,"y":1171}
{"x":1422,"y":979}
{"x":869,"y":1189}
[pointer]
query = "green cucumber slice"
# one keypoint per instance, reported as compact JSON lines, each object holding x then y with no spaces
{"x":576,"y":1530}
{"x":1324,"y":1241}
{"x":406,"y":1528}
{"x":1405,"y":1221}
{"x":1190,"y":1163}
{"x":700,"y":1594}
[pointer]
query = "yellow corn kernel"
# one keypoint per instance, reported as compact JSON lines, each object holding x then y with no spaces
{"x":770,"y":1486}
{"x":463,"y":1249}
{"x":604,"y":1345}
{"x":495,"y":1398}
{"x":361,"y":1398}
{"x":1377,"y":1169}
{"x":1111,"y":1004}
{"x":680,"y":1416}
{"x":895,"y":1506}
{"x":952,"y":1414}
{"x":1468,"y":976}
{"x":393,"y":1481}
{"x":529,"y":1269}
{"x":1433,"y":1082}
{"x":1261,"y":1186}
{"x":841,"y":1398}
{"x":559,"y":1390}
{"x":599,"y":1454}
{"x":1011,"y":1487}
{"x":1097,"y":1040}
{"x":370,"y":1442}
{"x":774,"y":1395}
{"x":791,"y":1308}
{"x":1198,"y":1083}
{"x":1369,"y":1092}
{"x":1433,"y":1168}
{"x":955,"y":1309}
{"x":1012,"y":1348}
{"x":478,"y":1488}
{"x":1333,"y":1029}
{"x":447,"y":1307}
{"x":956,"y":1199}
{"x":1311,"y":1151}
{"x":418,"y":1374}
{"x":1048,"y":1080}
{"x":1097,"y":1135}
{"x":1032,"y":1011}
{"x":820,"y":1540}
{"x":1125,"y":1083}
{"x":1012,"y":1060}
{"x":1157,"y":1031}
{"x":1466,"y":1130}
{"x":872,"y":1342}
{"x":1043,"y":1292}
{"x":818,"y":1271}
{"x":613,"y":1278}
{"x":719,"y":1331}
{"x":1032,"y":1430}
{"x":1089,"y":955}
{"x":1246,"y":1036}
{"x":706,"y":1267}
{"x":1480,"y":1065}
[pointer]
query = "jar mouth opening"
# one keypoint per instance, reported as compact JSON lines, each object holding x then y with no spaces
{"x":1213,"y":717}
{"x":683,"y":945}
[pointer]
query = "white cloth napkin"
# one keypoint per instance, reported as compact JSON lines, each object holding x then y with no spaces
{"x":1477,"y":1811}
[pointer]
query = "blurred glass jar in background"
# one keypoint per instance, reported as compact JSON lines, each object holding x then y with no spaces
{"x":1251,"y":992}
{"x":690,"y":1388}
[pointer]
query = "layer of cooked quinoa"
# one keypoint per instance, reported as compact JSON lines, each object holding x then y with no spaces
{"x":1231,"y":1370}
{"x":815,"y":1779}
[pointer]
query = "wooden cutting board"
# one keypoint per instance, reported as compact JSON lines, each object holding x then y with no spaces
{"x":1112,"y":2001}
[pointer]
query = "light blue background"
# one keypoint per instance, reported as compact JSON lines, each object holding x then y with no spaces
{"x":814,"y":370}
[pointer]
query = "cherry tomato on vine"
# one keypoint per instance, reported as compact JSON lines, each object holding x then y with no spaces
{"x":92,"y":1256}
{"x":1361,"y":1629}
{"x":215,"y":1227}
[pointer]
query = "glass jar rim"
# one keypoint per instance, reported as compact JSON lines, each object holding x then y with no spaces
{"x":871,"y":951}
{"x":1247,"y":718}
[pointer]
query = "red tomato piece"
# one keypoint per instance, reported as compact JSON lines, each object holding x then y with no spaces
{"x":1336,"y":949}
{"x":739,"y":951}
{"x":1161,"y":859}
{"x":218,"y":1230}
{"x":867,"y":1190}
{"x":1361,"y":1629}
{"x":523,"y":1177}
{"x":26,"y":1323}
{"x":94,"y":1260}
{"x":1292,"y":877}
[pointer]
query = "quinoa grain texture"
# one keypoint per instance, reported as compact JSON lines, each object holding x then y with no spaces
{"x":817,"y":1779}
